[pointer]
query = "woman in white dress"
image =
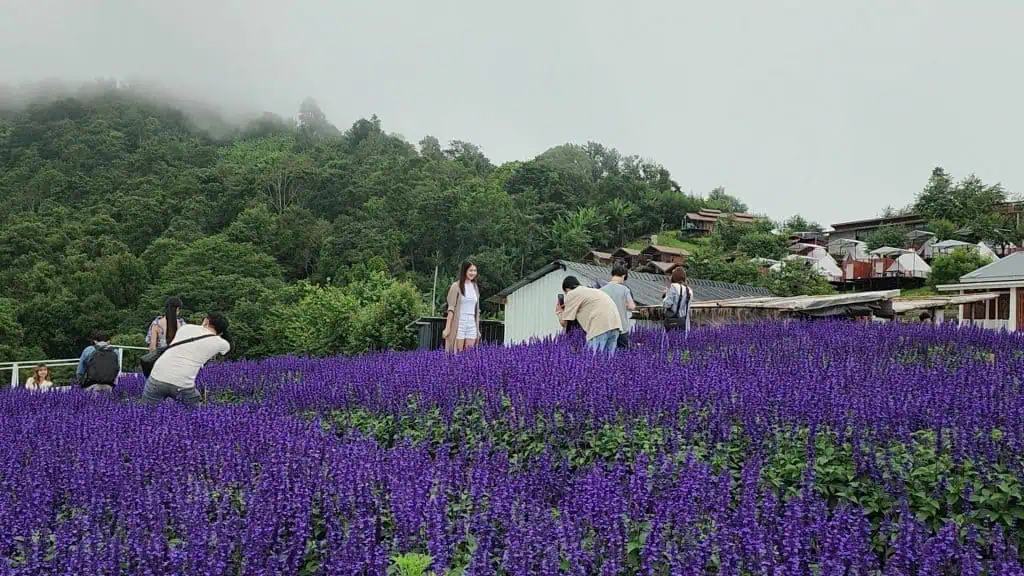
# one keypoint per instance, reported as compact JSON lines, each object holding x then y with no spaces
{"x":462,"y":324}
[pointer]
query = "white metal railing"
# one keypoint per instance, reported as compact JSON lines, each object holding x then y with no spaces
{"x":14,"y":367}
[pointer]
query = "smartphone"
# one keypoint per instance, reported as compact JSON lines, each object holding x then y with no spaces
{"x":561,"y":300}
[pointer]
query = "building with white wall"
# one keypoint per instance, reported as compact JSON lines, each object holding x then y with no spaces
{"x":530,"y":303}
{"x":1005,"y":279}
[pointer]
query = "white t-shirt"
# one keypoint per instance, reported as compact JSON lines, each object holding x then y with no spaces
{"x":179,"y":366}
{"x":467,"y":314}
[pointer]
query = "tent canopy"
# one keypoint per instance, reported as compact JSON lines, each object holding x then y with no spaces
{"x":910,"y":264}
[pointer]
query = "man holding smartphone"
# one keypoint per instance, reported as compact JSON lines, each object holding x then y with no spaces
{"x":594,"y":310}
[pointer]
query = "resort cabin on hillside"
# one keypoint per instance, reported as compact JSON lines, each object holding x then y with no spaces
{"x":702,"y":222}
{"x":812,"y":251}
{"x":949,"y":246}
{"x":628,"y":255}
{"x":530,"y":303}
{"x":854,"y":269}
{"x":817,"y":238}
{"x":909,"y":265}
{"x":860,"y":229}
{"x":884,"y":257}
{"x":844,"y":248}
{"x":599,"y":258}
{"x":823,"y":265}
{"x":1005,"y":279}
{"x":921,"y":242}
{"x":664,"y":254}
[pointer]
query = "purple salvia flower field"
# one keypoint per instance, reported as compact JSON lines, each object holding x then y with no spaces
{"x":776,"y":449}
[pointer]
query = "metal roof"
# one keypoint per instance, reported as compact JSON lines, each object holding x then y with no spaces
{"x":918,"y":234}
{"x":878,"y":222}
{"x":902,"y":306}
{"x":889,"y":251}
{"x":1009,"y":269}
{"x":951,"y":244}
{"x":666,"y":250}
{"x":804,"y":303}
{"x":663,"y":267}
{"x":647,"y":289}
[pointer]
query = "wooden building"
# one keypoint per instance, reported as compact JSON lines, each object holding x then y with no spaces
{"x":664,"y":254}
{"x":702,"y":222}
{"x":860,"y":229}
{"x":599,"y":258}
{"x":630,"y":256}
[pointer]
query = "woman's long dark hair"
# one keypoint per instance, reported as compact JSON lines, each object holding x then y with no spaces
{"x":171,"y":316}
{"x":679,"y":276}
{"x":462,"y":276}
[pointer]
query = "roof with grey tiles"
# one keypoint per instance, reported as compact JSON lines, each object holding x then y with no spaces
{"x":647,"y":288}
{"x":1009,"y":269}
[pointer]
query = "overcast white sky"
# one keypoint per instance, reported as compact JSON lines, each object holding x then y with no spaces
{"x":830,"y":108}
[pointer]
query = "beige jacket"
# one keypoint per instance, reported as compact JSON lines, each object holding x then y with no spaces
{"x":454,"y":302}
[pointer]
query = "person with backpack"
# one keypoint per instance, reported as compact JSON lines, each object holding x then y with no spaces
{"x":174,"y":372}
{"x":676,"y":303}
{"x":99,"y":365}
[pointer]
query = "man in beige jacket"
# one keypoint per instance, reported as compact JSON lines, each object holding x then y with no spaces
{"x":596,"y":313}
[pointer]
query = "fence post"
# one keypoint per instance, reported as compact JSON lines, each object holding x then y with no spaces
{"x":14,"y":376}
{"x":120,"y":359}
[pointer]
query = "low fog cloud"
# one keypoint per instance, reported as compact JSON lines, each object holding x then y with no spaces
{"x":830,"y":109}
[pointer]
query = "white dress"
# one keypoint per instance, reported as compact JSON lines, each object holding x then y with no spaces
{"x":467,"y":314}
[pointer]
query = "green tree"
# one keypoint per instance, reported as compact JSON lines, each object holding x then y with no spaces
{"x":892,"y":236}
{"x":798,"y":223}
{"x":213,"y":274}
{"x":719,"y":200}
{"x":948,"y":268}
{"x":758,"y":244}
{"x":943,"y":229}
{"x":361,"y":316}
{"x":711,"y":264}
{"x":797,"y":278}
{"x":571,"y":236}
{"x":12,"y":335}
{"x":962,"y":203}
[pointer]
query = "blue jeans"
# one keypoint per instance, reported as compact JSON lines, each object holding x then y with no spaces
{"x":156,"y":391}
{"x":606,"y":342}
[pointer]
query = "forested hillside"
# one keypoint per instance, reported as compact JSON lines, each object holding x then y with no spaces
{"x":113,"y":201}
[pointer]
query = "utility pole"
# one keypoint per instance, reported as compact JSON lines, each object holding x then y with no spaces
{"x":433,"y":291}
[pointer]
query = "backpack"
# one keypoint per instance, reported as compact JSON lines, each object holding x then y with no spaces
{"x":673,"y":320}
{"x":103,"y":367}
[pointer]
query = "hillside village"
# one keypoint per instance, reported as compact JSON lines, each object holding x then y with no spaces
{"x":842,"y":255}
{"x":879,"y":268}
